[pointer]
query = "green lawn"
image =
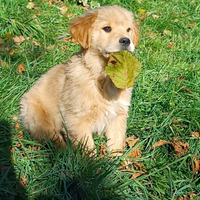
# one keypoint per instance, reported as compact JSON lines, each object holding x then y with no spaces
{"x":165,"y":105}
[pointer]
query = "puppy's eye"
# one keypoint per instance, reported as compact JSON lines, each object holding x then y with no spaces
{"x":128,"y":29}
{"x":107,"y":29}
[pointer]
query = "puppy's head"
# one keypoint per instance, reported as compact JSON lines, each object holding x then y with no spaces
{"x":106,"y":29}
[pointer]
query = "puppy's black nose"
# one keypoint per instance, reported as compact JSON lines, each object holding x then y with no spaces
{"x":124,"y":42}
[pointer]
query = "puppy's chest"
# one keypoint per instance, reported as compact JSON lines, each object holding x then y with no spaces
{"x":104,"y":113}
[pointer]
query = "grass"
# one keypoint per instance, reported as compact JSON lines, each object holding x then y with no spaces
{"x":165,"y":104}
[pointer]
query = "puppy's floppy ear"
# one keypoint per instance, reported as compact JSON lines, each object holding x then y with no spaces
{"x":136,"y":34}
{"x":81,"y":28}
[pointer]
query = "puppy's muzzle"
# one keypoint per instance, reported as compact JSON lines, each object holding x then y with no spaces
{"x":125,"y":42}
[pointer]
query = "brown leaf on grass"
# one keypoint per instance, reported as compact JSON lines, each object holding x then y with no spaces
{"x":181,"y":78}
{"x":69,"y":39}
{"x":195,"y":134}
{"x":191,"y":25}
{"x":21,"y":68}
{"x":171,"y":45}
{"x":155,"y":16}
{"x":30,"y":5}
{"x":159,"y":143}
{"x":131,"y":141}
{"x":102,"y":149}
{"x":19,"y":39}
{"x":187,"y":90}
{"x":35,"y":43}
{"x":183,"y":15}
{"x":63,"y":9}
{"x":180,"y":147}
{"x":64,"y":48}
{"x":133,"y":154}
{"x":185,"y":36}
{"x":136,"y":175}
{"x":20,"y":135}
{"x":11,"y":52}
{"x":85,"y":8}
{"x":69,"y":15}
{"x":15,"y":117}
{"x":24,"y":180}
{"x":136,"y":153}
{"x":12,"y":150}
{"x":188,"y":196}
{"x":32,"y":148}
{"x":143,"y":16}
{"x":151,"y":34}
{"x":17,"y":127}
{"x":17,"y":145}
{"x":196,"y":164}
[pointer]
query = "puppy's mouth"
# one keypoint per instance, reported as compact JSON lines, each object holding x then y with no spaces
{"x":107,"y":54}
{"x":125,"y":44}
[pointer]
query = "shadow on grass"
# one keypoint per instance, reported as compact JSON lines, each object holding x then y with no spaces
{"x":9,"y":184}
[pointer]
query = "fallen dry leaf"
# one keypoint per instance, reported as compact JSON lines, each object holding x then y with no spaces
{"x":69,"y":39}
{"x":21,"y":68}
{"x":69,"y":15}
{"x":64,"y":48}
{"x":135,"y":154}
{"x":17,"y":145}
{"x":19,"y":39}
{"x":196,"y":164}
{"x":11,"y":52}
{"x":188,"y":196}
{"x":171,"y":45}
{"x":176,"y":20}
{"x":85,"y":8}
{"x":17,"y":127}
{"x":155,"y":16}
{"x":187,"y":90}
{"x":24,"y":181}
{"x":159,"y":143}
{"x":102,"y":149}
{"x":179,"y":147}
{"x":131,"y":141}
{"x":15,"y":117}
{"x":195,"y":134}
{"x":143,"y":16}
{"x":32,"y":148}
{"x":191,"y":25}
{"x":63,"y":9}
{"x":20,"y":135}
{"x":30,"y":5}
{"x":136,"y":175}
{"x":35,"y":43}
{"x":151,"y":34}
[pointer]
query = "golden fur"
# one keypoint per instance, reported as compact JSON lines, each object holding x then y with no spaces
{"x":80,"y":89}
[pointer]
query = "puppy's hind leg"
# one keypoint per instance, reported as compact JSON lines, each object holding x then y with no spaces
{"x":38,"y":121}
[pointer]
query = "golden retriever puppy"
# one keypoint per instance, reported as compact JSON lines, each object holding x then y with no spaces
{"x":79,"y":93}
